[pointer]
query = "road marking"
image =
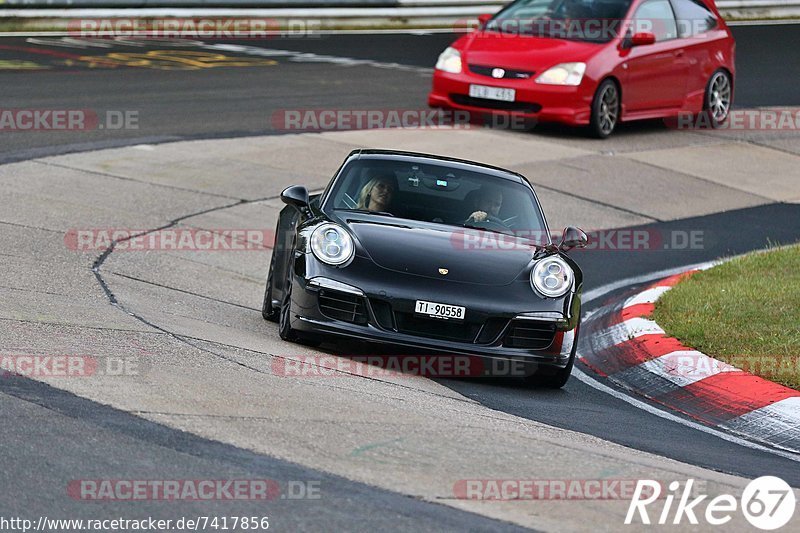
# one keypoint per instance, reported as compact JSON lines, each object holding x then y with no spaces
{"x":777,"y":422}
{"x":588,"y":380}
{"x":595,"y":384}
{"x":20,"y":64}
{"x":646,"y":297}
{"x":307,"y":57}
{"x":594,"y":294}
{"x":621,"y":332}
{"x":289,"y":55}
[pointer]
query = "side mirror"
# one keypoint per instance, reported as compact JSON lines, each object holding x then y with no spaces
{"x":484,"y":19}
{"x":573,"y":238}
{"x":296,"y":196}
{"x":643,"y":38}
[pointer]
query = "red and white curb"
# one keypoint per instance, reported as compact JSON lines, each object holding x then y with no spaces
{"x":633,"y":351}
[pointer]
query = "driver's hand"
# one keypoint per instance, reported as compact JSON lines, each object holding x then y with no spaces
{"x":479,"y":216}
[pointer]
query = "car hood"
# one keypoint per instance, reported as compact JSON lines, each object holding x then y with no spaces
{"x":521,"y":52}
{"x":469,"y":256}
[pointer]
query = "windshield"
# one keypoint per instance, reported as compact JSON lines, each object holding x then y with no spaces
{"x":439,"y":194}
{"x":580,"y":20}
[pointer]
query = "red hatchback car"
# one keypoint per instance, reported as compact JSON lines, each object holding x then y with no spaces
{"x":593,"y":63}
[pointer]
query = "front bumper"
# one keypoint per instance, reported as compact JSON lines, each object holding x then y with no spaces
{"x":493,"y":335}
{"x":545,"y":103}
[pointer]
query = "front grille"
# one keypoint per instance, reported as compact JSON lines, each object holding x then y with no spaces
{"x":342,"y":306}
{"x":522,"y":107}
{"x":436,"y":329}
{"x":508,"y":73}
{"x":530,"y":334}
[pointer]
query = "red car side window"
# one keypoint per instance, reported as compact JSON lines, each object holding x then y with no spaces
{"x":693,"y":17}
{"x":656,"y":16}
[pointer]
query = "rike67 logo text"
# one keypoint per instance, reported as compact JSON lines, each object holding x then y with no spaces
{"x":767,"y":503}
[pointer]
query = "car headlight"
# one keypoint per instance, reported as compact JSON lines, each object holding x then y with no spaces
{"x":449,"y":61}
{"x":563,"y":74}
{"x":331,"y":244}
{"x":552,"y":277}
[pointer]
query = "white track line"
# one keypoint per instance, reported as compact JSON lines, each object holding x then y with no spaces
{"x":646,"y":297}
{"x":599,"y":292}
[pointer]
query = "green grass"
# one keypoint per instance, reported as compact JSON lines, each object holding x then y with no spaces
{"x":745,"y":312}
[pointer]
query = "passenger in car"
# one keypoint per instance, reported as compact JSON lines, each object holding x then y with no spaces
{"x":377,"y":194}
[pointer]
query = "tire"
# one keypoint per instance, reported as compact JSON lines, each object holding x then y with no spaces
{"x":605,"y":110}
{"x":285,"y":330}
{"x":285,"y":320}
{"x":717,"y":99}
{"x":267,"y":310}
{"x":555,"y":380}
{"x":558,"y":378}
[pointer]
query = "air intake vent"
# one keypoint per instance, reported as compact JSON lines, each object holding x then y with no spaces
{"x":530,"y":334}
{"x":342,"y":306}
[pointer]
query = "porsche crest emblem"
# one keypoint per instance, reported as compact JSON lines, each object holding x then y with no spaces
{"x":443,"y":271}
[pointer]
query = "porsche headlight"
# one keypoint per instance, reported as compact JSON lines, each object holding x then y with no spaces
{"x":331,"y":244}
{"x":563,"y":74}
{"x":449,"y":61}
{"x":552,"y":277}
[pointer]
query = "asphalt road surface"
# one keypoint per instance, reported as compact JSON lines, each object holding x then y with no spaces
{"x":224,"y":102}
{"x":54,"y":434}
{"x":57,"y":440}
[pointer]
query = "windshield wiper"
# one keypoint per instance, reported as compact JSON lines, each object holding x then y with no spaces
{"x":509,"y":232}
{"x":367,"y":212}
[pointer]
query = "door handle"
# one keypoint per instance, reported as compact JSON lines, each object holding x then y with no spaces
{"x":678,"y":53}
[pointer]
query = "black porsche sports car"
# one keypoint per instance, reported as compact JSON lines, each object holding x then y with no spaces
{"x":431,"y":253}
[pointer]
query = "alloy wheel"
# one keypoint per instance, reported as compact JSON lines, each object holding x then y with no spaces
{"x":609,"y":109}
{"x":719,"y":97}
